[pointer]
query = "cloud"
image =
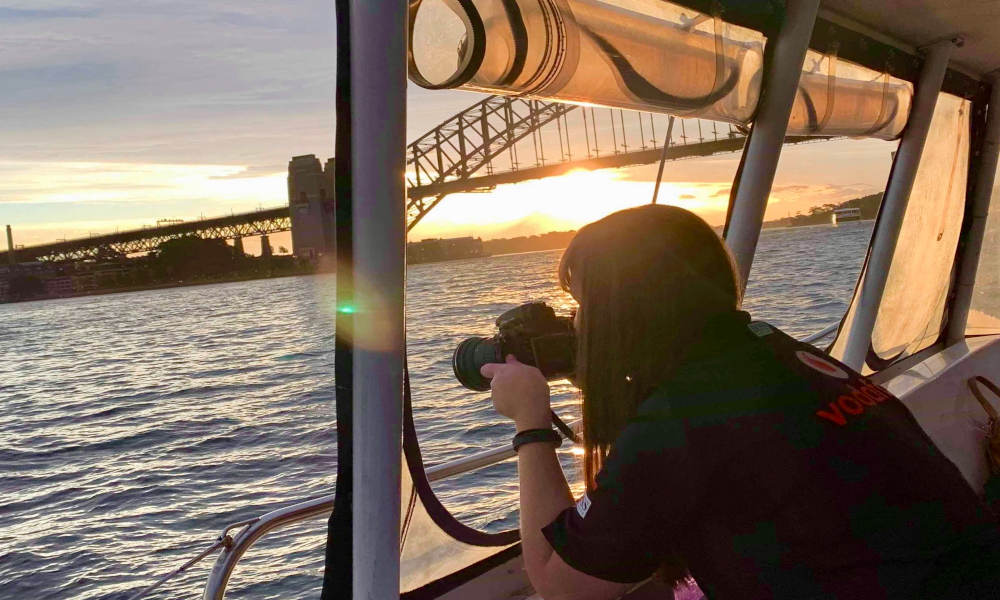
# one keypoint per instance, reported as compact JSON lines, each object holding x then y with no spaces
{"x":10,"y":13}
{"x":184,"y":81}
{"x":793,"y":188}
{"x":209,"y":100}
{"x":255,"y":171}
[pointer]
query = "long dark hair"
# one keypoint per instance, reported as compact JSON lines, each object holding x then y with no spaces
{"x":647,"y":279}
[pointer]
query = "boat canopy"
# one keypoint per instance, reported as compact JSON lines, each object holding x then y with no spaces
{"x":708,"y":59}
{"x":861,"y":77}
{"x":912,"y":24}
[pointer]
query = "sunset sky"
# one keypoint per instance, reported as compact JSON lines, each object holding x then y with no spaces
{"x":116,"y":113}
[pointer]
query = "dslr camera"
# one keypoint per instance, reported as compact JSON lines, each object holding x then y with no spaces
{"x":532,"y":333}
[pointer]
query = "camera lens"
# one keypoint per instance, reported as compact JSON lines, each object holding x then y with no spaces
{"x":469,"y":357}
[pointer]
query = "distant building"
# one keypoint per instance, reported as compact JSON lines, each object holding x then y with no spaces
{"x":434,"y":250}
{"x":311,"y":206}
{"x":58,"y":286}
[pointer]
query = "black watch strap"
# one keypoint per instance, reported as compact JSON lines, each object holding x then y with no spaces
{"x":531,"y":436}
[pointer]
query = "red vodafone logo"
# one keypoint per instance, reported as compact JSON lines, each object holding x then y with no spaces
{"x":822,"y":365}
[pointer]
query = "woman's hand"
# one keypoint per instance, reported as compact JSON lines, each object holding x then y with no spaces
{"x":520,"y":392}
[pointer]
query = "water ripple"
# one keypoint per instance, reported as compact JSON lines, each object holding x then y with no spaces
{"x":135,"y":426}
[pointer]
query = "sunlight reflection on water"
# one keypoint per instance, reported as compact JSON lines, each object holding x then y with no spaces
{"x":137,"y":425}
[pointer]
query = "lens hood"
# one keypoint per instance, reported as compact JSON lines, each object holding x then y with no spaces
{"x":470,"y":355}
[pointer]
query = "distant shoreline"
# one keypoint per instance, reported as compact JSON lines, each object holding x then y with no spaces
{"x":814,"y":224}
{"x":529,"y":252}
{"x":547,"y":242}
{"x":158,"y":286}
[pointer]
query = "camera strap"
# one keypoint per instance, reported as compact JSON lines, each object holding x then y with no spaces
{"x":565,"y":429}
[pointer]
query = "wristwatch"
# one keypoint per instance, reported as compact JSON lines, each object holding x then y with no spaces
{"x":531,"y":436}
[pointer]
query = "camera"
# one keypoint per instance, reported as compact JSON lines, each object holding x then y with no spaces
{"x":532,"y":333}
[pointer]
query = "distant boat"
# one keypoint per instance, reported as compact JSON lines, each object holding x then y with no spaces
{"x":842,"y":215}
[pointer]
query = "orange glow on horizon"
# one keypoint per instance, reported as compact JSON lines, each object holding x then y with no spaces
{"x":565,"y":202}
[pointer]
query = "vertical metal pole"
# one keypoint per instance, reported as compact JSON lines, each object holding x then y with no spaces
{"x":562,"y":151}
{"x":586,"y":131}
{"x":461,"y":146}
{"x":533,"y":118}
{"x":508,"y":127}
{"x":614,"y":137}
{"x":10,"y":246}
{"x":764,"y":147}
{"x":379,"y":34}
{"x":897,"y":195}
{"x":484,"y":132}
{"x":593,"y":125}
{"x":541,"y":142}
{"x":663,"y":157}
{"x":982,"y":196}
{"x":642,"y":132}
{"x":439,"y":152}
{"x":621,"y":119}
{"x":569,"y":149}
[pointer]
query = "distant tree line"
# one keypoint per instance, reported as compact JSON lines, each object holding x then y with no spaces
{"x":820,"y":215}
{"x":531,"y":243}
{"x":191,"y":257}
{"x":183,"y":259}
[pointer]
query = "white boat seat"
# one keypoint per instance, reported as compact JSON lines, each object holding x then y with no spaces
{"x":937,"y":393}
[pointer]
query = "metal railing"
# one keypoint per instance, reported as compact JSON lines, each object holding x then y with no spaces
{"x":251,"y":530}
{"x":809,"y":339}
{"x":321,"y":506}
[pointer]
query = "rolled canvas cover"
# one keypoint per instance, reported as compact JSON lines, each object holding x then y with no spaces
{"x":636,"y":54}
{"x":836,"y":97}
{"x":911,"y":314}
{"x":642,"y":55}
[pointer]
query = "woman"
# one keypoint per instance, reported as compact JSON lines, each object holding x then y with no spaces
{"x":722,"y":447}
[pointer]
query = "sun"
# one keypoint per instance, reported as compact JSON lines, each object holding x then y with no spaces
{"x":560,"y":203}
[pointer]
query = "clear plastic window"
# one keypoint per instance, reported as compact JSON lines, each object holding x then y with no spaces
{"x":984,"y":315}
{"x":816,"y":233}
{"x":911,"y":314}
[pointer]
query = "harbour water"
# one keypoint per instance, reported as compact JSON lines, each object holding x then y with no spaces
{"x":133,"y":427}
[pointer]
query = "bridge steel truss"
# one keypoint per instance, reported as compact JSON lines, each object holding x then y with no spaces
{"x":121,"y":244}
{"x":498,"y":140}
{"x":501,"y":139}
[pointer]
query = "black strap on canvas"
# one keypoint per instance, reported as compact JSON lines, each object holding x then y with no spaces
{"x":438,"y":513}
{"x":338,"y":568}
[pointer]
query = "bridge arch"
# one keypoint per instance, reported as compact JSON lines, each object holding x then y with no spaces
{"x":498,"y":140}
{"x":502,"y":139}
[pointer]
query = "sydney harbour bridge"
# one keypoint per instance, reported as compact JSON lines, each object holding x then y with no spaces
{"x":499,"y":140}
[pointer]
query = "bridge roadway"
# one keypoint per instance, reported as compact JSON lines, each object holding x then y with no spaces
{"x":137,"y":241}
{"x":496,"y":141}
